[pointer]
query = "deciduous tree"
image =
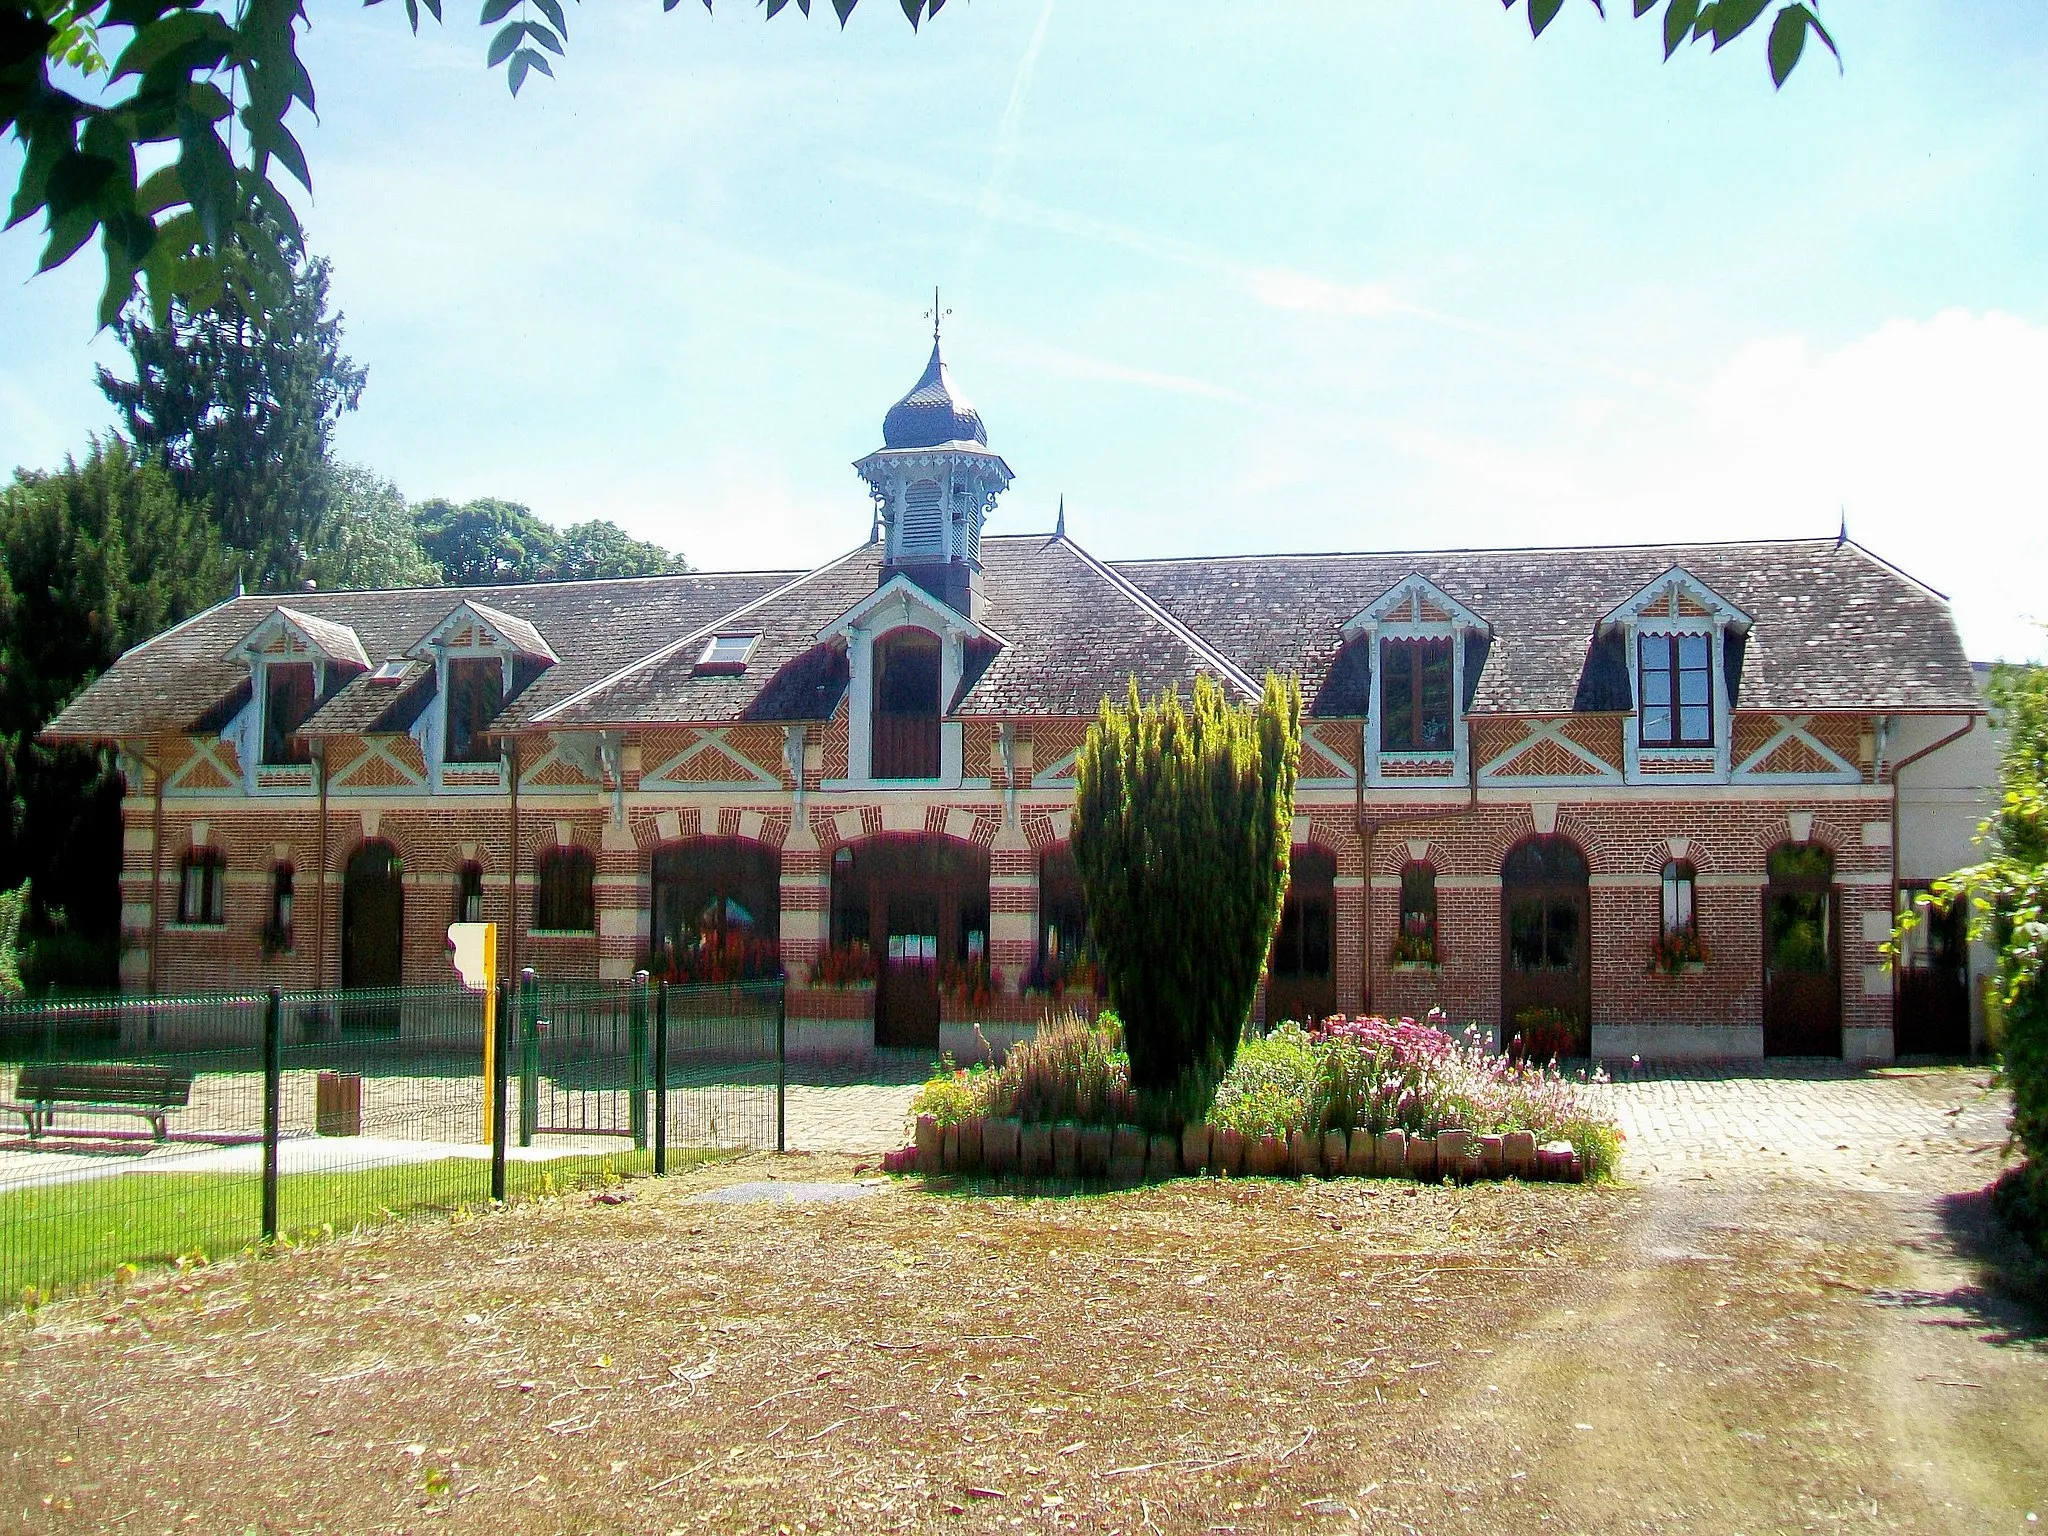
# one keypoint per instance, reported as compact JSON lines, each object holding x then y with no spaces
{"x":199,"y":71}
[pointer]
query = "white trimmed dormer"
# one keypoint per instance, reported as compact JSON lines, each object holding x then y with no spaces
{"x":482,"y":658}
{"x":1417,"y":636}
{"x":296,"y":662}
{"x":907,"y":654}
{"x":1675,"y":634}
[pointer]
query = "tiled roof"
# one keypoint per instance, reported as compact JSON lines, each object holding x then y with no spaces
{"x":173,"y":681}
{"x":1835,"y":627}
{"x":1073,"y":631}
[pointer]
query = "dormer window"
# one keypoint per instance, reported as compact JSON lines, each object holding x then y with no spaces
{"x":727,"y":653}
{"x":1416,"y":678}
{"x":290,"y":689}
{"x":906,"y":715}
{"x":476,"y":692}
{"x":1676,"y":677}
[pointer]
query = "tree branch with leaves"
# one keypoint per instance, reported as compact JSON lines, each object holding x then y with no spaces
{"x":155,"y":124}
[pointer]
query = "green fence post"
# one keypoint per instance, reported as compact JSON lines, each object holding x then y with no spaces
{"x":529,"y":1055}
{"x":781,"y":1062}
{"x":273,"y":1081}
{"x":637,"y":1043}
{"x":501,"y":1066}
{"x":661,"y":1079}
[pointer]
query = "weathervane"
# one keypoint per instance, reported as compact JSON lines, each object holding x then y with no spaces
{"x":936,"y":314}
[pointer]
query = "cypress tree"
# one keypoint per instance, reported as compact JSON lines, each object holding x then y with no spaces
{"x":1182,"y":831}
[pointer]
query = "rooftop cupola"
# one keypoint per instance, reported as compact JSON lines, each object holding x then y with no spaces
{"x":934,"y":483}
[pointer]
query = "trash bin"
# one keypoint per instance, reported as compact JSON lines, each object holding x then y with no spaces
{"x":338,"y":1104}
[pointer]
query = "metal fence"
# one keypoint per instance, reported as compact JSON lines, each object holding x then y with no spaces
{"x":152,"y":1130}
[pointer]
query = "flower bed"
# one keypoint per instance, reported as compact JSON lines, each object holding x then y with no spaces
{"x":1354,"y":1096}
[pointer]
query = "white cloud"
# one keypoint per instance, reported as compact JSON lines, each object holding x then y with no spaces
{"x":1926,"y":432}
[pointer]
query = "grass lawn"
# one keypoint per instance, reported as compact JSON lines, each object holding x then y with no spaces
{"x":55,"y":1238}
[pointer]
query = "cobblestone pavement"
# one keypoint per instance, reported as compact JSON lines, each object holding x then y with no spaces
{"x":1803,"y":1119}
{"x":855,"y":1108}
{"x":1683,"y":1122}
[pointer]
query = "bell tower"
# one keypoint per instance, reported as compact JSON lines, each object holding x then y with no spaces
{"x":934,"y":483}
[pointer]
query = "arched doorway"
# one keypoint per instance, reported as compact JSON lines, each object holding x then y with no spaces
{"x":1546,"y":984}
{"x":1802,"y":953}
{"x":1301,"y":982}
{"x":717,"y":910}
{"x":921,"y":904}
{"x":372,"y":936}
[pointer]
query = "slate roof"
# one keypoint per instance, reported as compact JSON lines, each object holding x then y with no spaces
{"x":1835,"y":626}
{"x":933,"y":413}
{"x":337,"y":642}
{"x":183,"y":677}
{"x":1072,"y":631}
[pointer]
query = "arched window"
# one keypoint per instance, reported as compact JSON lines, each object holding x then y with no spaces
{"x":202,"y":888}
{"x":277,"y":933}
{"x":717,"y":910}
{"x":1066,"y":955}
{"x":1679,"y":917}
{"x":469,"y":893}
{"x":564,"y":898}
{"x":1300,"y":982}
{"x":1415,"y":942}
{"x":905,"y":723}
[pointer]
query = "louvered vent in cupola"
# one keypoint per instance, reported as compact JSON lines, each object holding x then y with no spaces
{"x":923,"y":519}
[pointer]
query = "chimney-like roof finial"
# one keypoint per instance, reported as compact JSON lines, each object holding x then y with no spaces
{"x":1059,"y":530}
{"x":1842,"y":533}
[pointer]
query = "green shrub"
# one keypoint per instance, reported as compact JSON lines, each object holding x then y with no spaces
{"x":1277,"y":1075}
{"x":2009,"y":902}
{"x":12,"y":905}
{"x":1073,"y":1069}
{"x":1182,"y":822}
{"x":71,"y":962}
{"x":954,"y":1093}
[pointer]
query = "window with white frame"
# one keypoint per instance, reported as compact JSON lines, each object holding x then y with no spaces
{"x":727,"y":653}
{"x":202,"y":888}
{"x":1674,"y":676}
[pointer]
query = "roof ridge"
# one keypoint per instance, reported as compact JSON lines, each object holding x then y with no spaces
{"x":666,"y":651}
{"x":1147,"y":603}
{"x":1484,"y":549}
{"x":503,"y":586}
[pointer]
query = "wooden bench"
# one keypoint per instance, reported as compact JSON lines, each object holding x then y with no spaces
{"x":98,"y":1088}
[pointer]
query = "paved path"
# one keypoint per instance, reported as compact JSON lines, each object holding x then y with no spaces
{"x":1802,"y":1118}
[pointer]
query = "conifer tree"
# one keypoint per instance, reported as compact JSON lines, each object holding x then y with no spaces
{"x":94,"y":558}
{"x":1182,"y":831}
{"x":238,"y":401}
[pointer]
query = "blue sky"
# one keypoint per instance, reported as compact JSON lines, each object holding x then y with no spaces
{"x":1362,"y":274}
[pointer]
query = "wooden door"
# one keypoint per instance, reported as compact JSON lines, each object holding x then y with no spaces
{"x":1546,"y":985}
{"x":1932,"y":1015}
{"x":1802,"y":947}
{"x":907,"y":999}
{"x":372,"y":936}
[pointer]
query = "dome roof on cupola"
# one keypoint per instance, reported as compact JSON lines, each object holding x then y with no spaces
{"x":933,"y":413}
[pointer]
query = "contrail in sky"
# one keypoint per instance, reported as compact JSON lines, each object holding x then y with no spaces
{"x":1006,"y":148}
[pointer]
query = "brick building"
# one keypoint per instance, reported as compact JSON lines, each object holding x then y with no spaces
{"x":1642,"y":796}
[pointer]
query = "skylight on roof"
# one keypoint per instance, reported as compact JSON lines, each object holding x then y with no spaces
{"x":727,"y":653}
{"x":390,"y":671}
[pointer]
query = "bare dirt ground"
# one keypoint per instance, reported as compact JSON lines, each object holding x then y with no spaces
{"x":1778,"y":1344}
